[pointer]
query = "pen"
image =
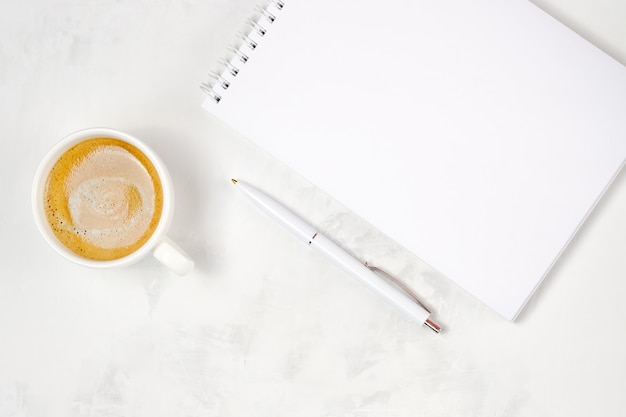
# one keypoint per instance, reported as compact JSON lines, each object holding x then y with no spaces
{"x":343,"y":259}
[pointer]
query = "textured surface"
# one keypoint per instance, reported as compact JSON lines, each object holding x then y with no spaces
{"x":263,"y":326}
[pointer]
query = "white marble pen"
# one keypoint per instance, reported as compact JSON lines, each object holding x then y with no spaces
{"x":361,"y":272}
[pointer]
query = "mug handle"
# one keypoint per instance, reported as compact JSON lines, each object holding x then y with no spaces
{"x":169,"y":254}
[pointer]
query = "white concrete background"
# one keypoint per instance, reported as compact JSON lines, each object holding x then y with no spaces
{"x":263,"y":326}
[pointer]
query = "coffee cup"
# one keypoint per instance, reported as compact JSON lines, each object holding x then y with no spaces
{"x":103,"y":199}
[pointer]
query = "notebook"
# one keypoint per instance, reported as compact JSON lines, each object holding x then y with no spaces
{"x":477,"y":134}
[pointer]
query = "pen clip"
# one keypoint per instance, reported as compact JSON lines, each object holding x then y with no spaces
{"x":402,"y":285}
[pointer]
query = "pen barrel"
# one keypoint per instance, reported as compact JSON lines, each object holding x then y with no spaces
{"x":371,"y":280}
{"x":281,"y":214}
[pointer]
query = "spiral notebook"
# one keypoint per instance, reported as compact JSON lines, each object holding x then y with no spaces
{"x":477,"y":134}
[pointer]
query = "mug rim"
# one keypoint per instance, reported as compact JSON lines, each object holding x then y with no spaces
{"x":41,"y":176}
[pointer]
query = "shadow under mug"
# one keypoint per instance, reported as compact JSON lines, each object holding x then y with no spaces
{"x":158,"y":244}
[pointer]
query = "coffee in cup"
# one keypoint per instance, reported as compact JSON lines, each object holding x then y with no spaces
{"x":103,"y":198}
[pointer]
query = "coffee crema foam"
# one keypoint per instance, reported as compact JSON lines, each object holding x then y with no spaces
{"x":103,"y":199}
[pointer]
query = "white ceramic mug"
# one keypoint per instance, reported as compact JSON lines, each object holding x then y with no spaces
{"x":157,"y":244}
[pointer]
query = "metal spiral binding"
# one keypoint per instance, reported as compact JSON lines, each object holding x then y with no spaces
{"x":228,"y":67}
{"x":252,"y":44}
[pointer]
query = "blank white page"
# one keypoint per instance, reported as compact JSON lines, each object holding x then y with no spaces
{"x":477,"y":134}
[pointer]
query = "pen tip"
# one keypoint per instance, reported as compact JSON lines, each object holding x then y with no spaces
{"x":233,"y":180}
{"x":434,"y":326}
